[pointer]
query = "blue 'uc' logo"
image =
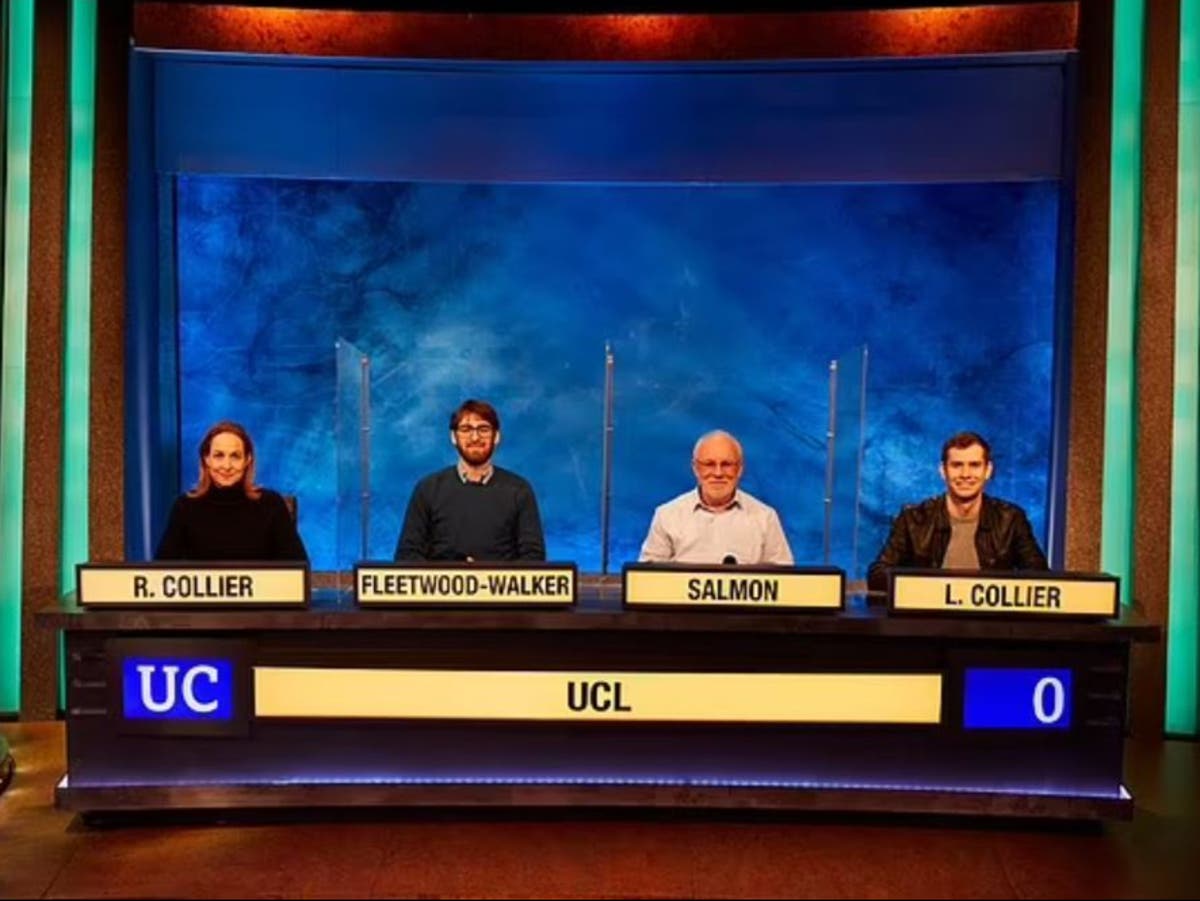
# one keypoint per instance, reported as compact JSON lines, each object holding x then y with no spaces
{"x":160,"y":688}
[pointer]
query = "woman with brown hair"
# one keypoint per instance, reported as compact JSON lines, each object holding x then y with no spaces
{"x":227,"y":516}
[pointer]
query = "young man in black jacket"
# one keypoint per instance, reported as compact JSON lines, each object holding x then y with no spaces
{"x":962,"y":529}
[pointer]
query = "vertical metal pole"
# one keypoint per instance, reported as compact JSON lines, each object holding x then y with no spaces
{"x":862,"y":443}
{"x":364,"y":451}
{"x":339,"y":454}
{"x":830,"y":440}
{"x":606,"y":462}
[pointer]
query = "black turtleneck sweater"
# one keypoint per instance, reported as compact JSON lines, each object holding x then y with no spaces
{"x":225,"y":524}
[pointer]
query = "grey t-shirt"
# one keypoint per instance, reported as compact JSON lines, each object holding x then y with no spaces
{"x":960,"y":553}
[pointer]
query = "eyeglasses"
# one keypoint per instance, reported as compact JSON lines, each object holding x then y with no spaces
{"x":718,"y":465}
{"x":483,"y":431}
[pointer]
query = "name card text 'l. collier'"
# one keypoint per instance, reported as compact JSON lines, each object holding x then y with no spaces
{"x":1029,"y":596}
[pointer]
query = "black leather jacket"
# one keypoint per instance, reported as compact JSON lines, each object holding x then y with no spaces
{"x":921,"y":534}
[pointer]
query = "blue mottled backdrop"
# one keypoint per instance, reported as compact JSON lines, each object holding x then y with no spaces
{"x":724,"y":306}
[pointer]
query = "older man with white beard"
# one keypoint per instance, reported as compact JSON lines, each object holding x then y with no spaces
{"x":715,"y":522}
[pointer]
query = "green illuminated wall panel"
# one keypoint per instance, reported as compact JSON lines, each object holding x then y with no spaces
{"x":18,"y":134}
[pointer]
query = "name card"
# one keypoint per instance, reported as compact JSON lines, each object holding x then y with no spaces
{"x":195,"y":585}
{"x":1026,"y":595}
{"x":310,"y":693}
{"x":468,"y":585}
{"x":743,"y":588}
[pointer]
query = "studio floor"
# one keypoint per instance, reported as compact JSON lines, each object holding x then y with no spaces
{"x":47,"y":853}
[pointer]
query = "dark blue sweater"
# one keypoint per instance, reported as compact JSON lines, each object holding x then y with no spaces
{"x":449,"y":519}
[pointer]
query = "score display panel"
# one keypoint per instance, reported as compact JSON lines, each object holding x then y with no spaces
{"x":1004,"y":719}
{"x":978,"y":698}
{"x":976,"y":693}
{"x":1017,"y":698}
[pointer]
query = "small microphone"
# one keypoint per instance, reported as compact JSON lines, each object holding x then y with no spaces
{"x":729,"y":560}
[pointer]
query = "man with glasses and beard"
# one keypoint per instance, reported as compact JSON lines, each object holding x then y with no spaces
{"x":473,"y":510}
{"x":714,"y":522}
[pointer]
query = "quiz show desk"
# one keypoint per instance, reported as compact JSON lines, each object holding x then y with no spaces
{"x":589,"y":698}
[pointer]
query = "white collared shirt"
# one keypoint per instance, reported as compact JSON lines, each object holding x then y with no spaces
{"x":487,"y":473}
{"x":686,"y":531}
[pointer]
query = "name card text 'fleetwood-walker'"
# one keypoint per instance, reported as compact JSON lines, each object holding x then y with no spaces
{"x":1028,"y":595}
{"x":207,"y":584}
{"x":734,"y":587}
{"x":549,"y":585}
